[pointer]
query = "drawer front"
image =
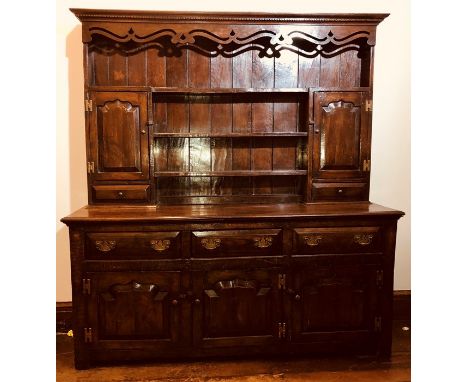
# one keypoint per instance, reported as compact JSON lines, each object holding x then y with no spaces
{"x":339,"y":191}
{"x":238,"y":243}
{"x":119,"y":193}
{"x":133,"y":245}
{"x":337,"y":240}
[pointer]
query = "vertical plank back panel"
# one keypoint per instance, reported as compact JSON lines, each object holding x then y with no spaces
{"x":242,"y":121}
{"x":330,"y":71}
{"x":118,"y":70}
{"x":309,"y":72}
{"x":198,"y":72}
{"x":350,"y":69}
{"x":101,"y":69}
{"x":137,"y":69}
{"x":262,"y":121}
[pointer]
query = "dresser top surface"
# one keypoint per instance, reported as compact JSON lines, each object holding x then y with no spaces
{"x":184,"y":213}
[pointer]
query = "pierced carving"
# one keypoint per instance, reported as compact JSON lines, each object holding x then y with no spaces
{"x":211,"y":243}
{"x":160,"y":245}
{"x":236,"y":283}
{"x":363,"y":239}
{"x":313,"y":240}
{"x":338,"y":105}
{"x":263,"y":241}
{"x":268,"y":43}
{"x":105,"y":245}
{"x":133,"y":287}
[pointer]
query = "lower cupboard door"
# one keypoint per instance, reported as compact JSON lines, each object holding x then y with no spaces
{"x":236,"y":308}
{"x":134,"y":310}
{"x":335,"y":305}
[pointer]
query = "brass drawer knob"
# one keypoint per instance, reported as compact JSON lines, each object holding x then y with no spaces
{"x":313,"y":240}
{"x":210,"y":243}
{"x":160,"y":245}
{"x":363,"y":239}
{"x":120,"y":194}
{"x":263,"y":242}
{"x":297,"y":297}
{"x":197,"y":301}
{"x":175,"y":302}
{"x":105,"y":245}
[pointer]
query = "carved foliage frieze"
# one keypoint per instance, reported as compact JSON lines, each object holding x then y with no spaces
{"x":267,"y":43}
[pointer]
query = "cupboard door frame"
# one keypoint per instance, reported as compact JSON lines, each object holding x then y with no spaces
{"x":167,"y":286}
{"x":204,"y":291}
{"x":136,"y":105}
{"x":336,"y":100}
{"x":307,"y":272}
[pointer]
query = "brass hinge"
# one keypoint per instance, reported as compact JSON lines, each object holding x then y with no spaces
{"x":378,"y":324}
{"x":281,"y":281}
{"x":90,"y":167}
{"x":281,"y":329}
{"x":88,"y":335}
{"x":88,"y":103}
{"x":366,"y":165}
{"x":86,"y":286}
{"x":368,"y":105}
{"x":379,"y":278}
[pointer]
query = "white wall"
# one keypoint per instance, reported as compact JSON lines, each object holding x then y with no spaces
{"x":390,"y":179}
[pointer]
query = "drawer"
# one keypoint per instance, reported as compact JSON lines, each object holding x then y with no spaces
{"x":337,"y":240}
{"x":339,"y":191}
{"x":238,"y":243}
{"x":117,"y":193}
{"x":133,"y":245}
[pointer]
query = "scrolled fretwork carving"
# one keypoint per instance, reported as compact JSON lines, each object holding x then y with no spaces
{"x":105,"y":245}
{"x":267,"y":43}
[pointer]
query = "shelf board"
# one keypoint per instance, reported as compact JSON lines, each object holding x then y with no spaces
{"x":231,"y":135}
{"x":231,"y":173}
{"x":175,"y":90}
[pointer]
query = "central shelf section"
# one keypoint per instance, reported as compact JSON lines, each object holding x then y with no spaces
{"x":217,"y":145}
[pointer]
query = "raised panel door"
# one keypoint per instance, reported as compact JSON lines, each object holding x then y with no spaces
{"x":341,"y":140}
{"x":134,"y":309}
{"x":236,"y":308}
{"x":119,"y":136}
{"x":332,"y":302}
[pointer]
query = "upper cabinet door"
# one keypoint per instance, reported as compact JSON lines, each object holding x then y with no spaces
{"x":118,"y":136}
{"x":341,"y":147}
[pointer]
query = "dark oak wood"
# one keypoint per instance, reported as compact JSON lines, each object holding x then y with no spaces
{"x":228,"y":175}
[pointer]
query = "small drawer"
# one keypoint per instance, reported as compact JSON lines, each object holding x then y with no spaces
{"x":339,"y":191}
{"x":133,"y":245}
{"x":337,"y":240}
{"x":118,"y":193}
{"x":237,"y":243}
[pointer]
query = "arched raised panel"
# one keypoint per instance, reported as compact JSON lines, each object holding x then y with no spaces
{"x":134,"y":310}
{"x":341,"y":139}
{"x":119,"y":136}
{"x":332,"y":299}
{"x":340,"y":136}
{"x":333,"y":304}
{"x":237,"y":307}
{"x":118,"y":139}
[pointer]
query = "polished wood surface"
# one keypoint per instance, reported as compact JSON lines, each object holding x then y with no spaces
{"x":228,"y":176}
{"x":225,"y":212}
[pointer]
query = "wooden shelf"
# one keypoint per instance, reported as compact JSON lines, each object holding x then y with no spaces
{"x":231,"y":173}
{"x":231,"y":135}
{"x":176,"y":90}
